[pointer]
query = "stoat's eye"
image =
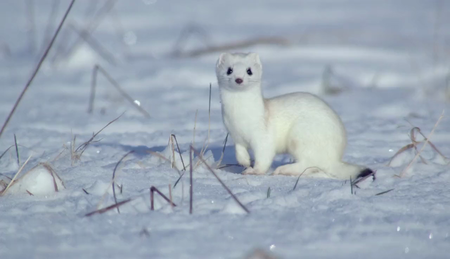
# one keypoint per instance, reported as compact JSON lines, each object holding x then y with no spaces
{"x":249,"y":71}
{"x":229,"y":71}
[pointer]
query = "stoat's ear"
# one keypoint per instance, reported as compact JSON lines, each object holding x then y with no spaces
{"x":255,"y":58}
{"x":222,"y":59}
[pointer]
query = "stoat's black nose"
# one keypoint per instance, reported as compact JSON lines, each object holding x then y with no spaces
{"x":239,"y":80}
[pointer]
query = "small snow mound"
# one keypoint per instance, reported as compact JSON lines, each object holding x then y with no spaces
{"x":231,"y":207}
{"x":99,"y":188}
{"x":38,"y":181}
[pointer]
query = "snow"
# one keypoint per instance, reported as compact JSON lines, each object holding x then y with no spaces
{"x":389,"y":63}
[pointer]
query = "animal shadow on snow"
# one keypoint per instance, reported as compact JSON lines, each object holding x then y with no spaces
{"x":229,"y":162}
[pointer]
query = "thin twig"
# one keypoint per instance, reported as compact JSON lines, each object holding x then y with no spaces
{"x":298,"y":178}
{"x":17,"y":150}
{"x":191,"y":193}
{"x":15,"y":176}
{"x":36,"y":69}
{"x":223,"y":150}
{"x":152,"y":198}
{"x":50,"y":21}
{"x":90,"y":28}
{"x":100,"y":211}
{"x":170,"y":196}
{"x":94,"y":44}
{"x":220,"y":181}
{"x":81,"y":148}
{"x":179,"y":151}
{"x":114,"y":178}
{"x":118,"y":88}
{"x":380,"y":193}
{"x":424,"y":145}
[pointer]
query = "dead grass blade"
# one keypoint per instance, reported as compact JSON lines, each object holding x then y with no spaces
{"x":220,"y":181}
{"x":424,"y":145}
{"x":179,"y":150}
{"x":54,"y":175}
{"x":15,"y":176}
{"x":298,"y":178}
{"x":78,"y":152}
{"x":30,"y":80}
{"x":17,"y":150}
{"x":191,"y":185}
{"x":116,"y":86}
{"x":381,"y":193}
{"x":4,"y":152}
{"x":100,"y":211}
{"x":152,"y":198}
{"x":223,"y":151}
{"x":113,"y":179}
{"x":90,"y":28}
{"x":94,"y":44}
{"x":51,"y":20}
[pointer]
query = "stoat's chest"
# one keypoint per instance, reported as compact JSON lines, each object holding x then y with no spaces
{"x":244,"y":121}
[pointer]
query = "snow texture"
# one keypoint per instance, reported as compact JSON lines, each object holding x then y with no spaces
{"x":383,"y":65}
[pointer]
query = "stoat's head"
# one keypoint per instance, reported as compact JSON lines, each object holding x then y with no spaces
{"x":238,"y":71}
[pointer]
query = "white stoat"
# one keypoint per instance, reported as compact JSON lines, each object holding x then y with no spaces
{"x":300,"y":124}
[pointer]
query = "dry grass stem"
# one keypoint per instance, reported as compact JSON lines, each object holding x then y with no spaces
{"x":223,"y":152}
{"x":298,"y":178}
{"x":179,"y":150}
{"x":152,"y":198}
{"x":78,"y":152}
{"x":191,"y":192}
{"x":15,"y":176}
{"x":116,"y":86}
{"x":113,"y":179}
{"x":90,"y":28}
{"x":220,"y":181}
{"x":94,"y":44}
{"x":165,"y":159}
{"x":4,"y":152}
{"x":54,"y":175}
{"x":381,"y":193}
{"x":30,"y":80}
{"x":424,"y":145}
{"x":170,"y":195}
{"x":17,"y":150}
{"x":100,"y":211}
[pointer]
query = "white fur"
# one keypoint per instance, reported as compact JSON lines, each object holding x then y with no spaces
{"x":299,"y":123}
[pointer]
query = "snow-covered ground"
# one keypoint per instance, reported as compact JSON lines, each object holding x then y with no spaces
{"x":386,"y":61}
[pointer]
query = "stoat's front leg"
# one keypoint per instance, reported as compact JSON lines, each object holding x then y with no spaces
{"x":264,"y":151}
{"x":242,"y":155}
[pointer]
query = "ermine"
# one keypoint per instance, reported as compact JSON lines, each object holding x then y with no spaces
{"x":300,"y":124}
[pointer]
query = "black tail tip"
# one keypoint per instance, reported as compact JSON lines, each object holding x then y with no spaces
{"x":366,"y":172}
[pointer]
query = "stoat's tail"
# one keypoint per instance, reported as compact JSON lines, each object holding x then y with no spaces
{"x":346,"y":171}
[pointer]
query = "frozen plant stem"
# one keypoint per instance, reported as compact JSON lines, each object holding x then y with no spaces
{"x":190,"y":182}
{"x":152,"y":198}
{"x":179,"y":151}
{"x":116,"y":85}
{"x":36,"y":69}
{"x":114,"y":178}
{"x":17,"y":150}
{"x":220,"y":181}
{"x":424,"y":145}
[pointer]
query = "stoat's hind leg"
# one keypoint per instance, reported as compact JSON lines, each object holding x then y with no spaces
{"x":299,"y":168}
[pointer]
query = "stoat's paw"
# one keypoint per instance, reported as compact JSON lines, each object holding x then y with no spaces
{"x":281,"y":171}
{"x":251,"y":171}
